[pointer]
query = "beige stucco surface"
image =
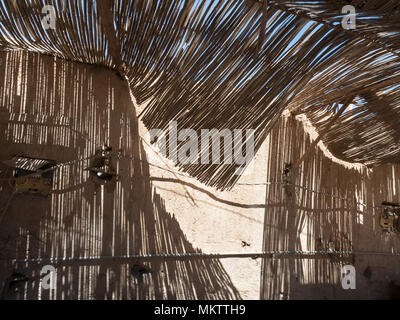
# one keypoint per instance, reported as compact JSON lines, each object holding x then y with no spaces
{"x":64,"y":111}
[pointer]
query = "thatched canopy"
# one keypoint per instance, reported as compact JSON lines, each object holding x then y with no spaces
{"x":236,"y":64}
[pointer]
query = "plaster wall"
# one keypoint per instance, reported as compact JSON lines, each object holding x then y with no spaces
{"x":60,"y":110}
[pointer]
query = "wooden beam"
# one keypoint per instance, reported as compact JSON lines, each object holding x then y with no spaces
{"x":105,"y":9}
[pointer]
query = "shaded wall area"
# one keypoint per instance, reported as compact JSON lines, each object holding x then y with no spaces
{"x":338,"y":208}
{"x":65,"y":111}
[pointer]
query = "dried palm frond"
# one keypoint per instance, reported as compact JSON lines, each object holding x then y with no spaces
{"x":236,"y":64}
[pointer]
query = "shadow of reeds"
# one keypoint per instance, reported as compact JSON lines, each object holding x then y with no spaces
{"x":338,"y":209}
{"x":65,"y":111}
